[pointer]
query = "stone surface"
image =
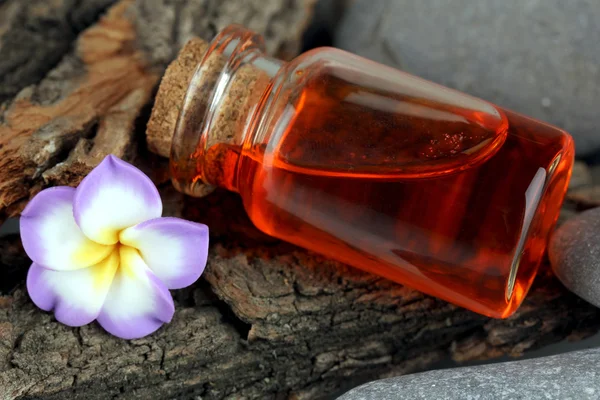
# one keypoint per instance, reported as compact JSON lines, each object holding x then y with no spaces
{"x":540,"y":58}
{"x":581,"y":176}
{"x":572,"y":375}
{"x":575,"y":255}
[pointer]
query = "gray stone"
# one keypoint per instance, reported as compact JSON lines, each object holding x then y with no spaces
{"x":574,"y":375}
{"x":537,"y":57}
{"x":581,"y":176}
{"x":575,"y":255}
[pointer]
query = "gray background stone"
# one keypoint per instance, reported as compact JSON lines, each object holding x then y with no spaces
{"x":574,"y":375}
{"x":575,"y":255}
{"x":537,"y":57}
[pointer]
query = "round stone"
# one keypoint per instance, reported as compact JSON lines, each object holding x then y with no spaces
{"x":575,"y":255}
{"x":571,"y":375}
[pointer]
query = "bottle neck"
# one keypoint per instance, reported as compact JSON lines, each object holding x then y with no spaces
{"x":217,"y":114}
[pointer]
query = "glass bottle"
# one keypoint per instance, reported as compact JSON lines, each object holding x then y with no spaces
{"x":384,"y":171}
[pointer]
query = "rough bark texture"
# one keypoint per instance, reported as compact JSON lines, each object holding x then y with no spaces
{"x":268,"y":320}
{"x":70,"y":95}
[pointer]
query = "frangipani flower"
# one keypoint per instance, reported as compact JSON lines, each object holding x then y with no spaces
{"x":102,"y":251}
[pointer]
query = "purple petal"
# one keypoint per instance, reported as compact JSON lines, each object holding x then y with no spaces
{"x":138,"y":303}
{"x":76,"y":297}
{"x":175,"y":249}
{"x":51,"y":237}
{"x":114,"y":196}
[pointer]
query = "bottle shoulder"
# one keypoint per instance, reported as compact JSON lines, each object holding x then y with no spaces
{"x":332,"y":112}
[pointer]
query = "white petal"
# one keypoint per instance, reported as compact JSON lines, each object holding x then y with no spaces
{"x":114,"y":196}
{"x":138,"y":303}
{"x":51,"y":237}
{"x":77,"y":296}
{"x":173,"y":248}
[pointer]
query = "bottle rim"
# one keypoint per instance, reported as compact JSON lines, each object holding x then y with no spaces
{"x":204,"y":94}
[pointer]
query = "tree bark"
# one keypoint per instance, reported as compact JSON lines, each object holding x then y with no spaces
{"x":268,"y":320}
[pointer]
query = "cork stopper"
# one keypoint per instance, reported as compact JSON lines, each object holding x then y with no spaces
{"x":171,"y":92}
{"x":205,"y":106}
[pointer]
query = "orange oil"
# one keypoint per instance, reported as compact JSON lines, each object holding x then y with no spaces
{"x":400,"y":194}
